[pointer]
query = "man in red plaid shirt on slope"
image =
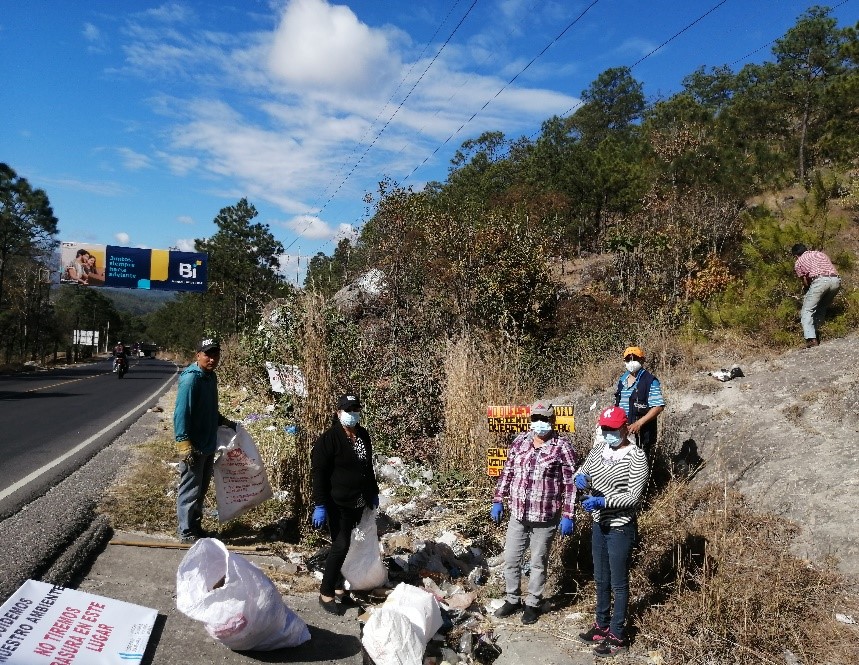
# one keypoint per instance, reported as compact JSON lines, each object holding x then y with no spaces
{"x":821,"y":283}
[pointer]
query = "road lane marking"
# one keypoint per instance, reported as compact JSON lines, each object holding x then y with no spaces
{"x":62,"y":458}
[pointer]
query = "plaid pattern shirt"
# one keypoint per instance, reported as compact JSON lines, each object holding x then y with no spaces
{"x":814,"y":264}
{"x":538,"y":481}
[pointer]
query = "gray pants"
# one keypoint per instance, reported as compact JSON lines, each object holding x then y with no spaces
{"x":519,"y":535}
{"x":817,"y":299}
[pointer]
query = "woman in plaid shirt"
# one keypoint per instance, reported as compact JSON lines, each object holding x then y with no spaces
{"x":538,"y":483}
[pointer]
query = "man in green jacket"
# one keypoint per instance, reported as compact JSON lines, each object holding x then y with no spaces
{"x":195,"y":422}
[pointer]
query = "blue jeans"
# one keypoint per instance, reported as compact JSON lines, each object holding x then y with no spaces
{"x":817,"y":299}
{"x":521,"y":535}
{"x":611,"y":547}
{"x":193,"y":485}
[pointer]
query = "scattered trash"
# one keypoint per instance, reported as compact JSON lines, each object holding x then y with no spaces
{"x":845,"y":618}
{"x":790,"y":658}
{"x":727,"y":374}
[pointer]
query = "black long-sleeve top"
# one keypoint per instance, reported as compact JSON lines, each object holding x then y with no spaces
{"x":340,"y":476}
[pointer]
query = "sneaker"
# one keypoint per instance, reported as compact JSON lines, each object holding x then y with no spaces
{"x":530,"y":615}
{"x":610,"y":646}
{"x":507,"y":609}
{"x":329,"y":606}
{"x":189,"y":539}
{"x":595,"y":635}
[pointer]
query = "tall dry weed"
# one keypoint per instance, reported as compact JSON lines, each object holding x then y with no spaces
{"x":314,"y":412}
{"x":479,"y":373}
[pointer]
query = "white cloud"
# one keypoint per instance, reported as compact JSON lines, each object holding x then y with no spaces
{"x":185,"y":244}
{"x":185,"y":219}
{"x":122,"y":238}
{"x":132,"y":160}
{"x":288,"y":116}
{"x":326,"y":46}
{"x":308,"y":226}
{"x":91,"y":33}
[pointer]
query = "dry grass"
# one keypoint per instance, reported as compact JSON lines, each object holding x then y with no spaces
{"x":144,"y":497}
{"x":714,"y":582}
{"x":479,"y":373}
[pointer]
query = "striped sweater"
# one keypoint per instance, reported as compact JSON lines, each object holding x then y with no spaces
{"x":622,"y":482}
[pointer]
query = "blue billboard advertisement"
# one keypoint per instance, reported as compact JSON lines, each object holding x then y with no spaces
{"x":132,"y":267}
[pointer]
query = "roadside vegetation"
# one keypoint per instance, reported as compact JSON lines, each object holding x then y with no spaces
{"x":665,"y":223}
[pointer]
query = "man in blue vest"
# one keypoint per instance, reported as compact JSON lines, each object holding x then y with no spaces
{"x":639,"y":394}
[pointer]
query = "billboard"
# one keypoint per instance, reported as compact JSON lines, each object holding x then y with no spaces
{"x":132,"y":267}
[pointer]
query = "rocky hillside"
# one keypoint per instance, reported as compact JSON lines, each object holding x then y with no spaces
{"x":786,"y":435}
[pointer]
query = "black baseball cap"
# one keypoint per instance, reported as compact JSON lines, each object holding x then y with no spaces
{"x":209,"y":344}
{"x":349,"y":402}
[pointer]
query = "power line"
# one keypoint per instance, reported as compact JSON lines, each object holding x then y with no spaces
{"x":504,"y":87}
{"x":391,"y":98}
{"x":381,"y":131}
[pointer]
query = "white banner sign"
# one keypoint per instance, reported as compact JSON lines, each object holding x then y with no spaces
{"x":86,"y":337}
{"x":43,"y":623}
{"x":286,"y":379}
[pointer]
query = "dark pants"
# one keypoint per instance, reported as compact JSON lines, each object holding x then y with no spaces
{"x":193,"y":485}
{"x":611,"y":548}
{"x":341,"y":521}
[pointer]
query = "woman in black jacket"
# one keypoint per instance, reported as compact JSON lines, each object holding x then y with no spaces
{"x":344,"y":484}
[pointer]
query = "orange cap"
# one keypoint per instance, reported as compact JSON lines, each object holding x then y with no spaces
{"x":636,"y":351}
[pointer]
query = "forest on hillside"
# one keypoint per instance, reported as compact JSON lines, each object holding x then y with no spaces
{"x":625,"y":216}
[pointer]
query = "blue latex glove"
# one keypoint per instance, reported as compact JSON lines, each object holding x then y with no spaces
{"x":583,"y":481}
{"x":319,"y":516}
{"x":497,"y":510}
{"x":374,"y":501}
{"x":567,"y":526}
{"x":593,"y":503}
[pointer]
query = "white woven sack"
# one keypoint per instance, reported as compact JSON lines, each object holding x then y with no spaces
{"x":241,"y":481}
{"x":245,"y":611}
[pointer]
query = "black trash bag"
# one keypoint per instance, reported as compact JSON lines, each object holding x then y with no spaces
{"x":486,"y":651}
{"x":317,"y":561}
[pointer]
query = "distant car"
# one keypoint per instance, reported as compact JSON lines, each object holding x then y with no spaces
{"x":148,"y":350}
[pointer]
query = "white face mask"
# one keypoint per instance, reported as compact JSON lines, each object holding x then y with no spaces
{"x":349,"y":418}
{"x":633,"y":366}
{"x":612,"y":439}
{"x":541,"y":428}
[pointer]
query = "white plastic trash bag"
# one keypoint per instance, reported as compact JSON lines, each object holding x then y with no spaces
{"x":363,"y":567}
{"x":398,"y":632}
{"x":239,"y":605}
{"x":241,"y":481}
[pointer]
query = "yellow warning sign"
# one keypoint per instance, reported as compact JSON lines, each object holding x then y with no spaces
{"x":495,"y":458}
{"x":517,"y":418}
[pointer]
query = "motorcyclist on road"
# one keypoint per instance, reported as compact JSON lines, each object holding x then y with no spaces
{"x":120,"y":355}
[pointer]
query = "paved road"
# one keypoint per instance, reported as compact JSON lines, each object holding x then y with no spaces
{"x":53,"y":421}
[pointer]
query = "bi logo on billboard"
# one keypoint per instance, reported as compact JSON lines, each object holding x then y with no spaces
{"x":189,"y":270}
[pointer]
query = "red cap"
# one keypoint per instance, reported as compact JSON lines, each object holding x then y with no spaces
{"x":613,"y":417}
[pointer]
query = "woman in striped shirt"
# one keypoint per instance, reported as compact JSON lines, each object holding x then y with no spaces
{"x":614,"y":477}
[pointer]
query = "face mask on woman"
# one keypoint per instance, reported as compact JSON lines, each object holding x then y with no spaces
{"x":613,"y":438}
{"x":633,"y":366}
{"x":541,"y":427}
{"x":349,"y":418}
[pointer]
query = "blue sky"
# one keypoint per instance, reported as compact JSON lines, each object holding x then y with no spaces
{"x":141,"y":120}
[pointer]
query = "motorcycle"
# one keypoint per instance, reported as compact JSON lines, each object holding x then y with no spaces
{"x":120,"y":366}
